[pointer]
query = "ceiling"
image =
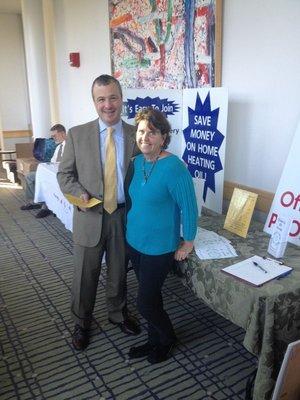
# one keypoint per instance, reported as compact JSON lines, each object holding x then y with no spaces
{"x":10,"y":6}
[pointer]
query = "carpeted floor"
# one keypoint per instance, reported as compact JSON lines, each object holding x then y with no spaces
{"x":37,"y":360}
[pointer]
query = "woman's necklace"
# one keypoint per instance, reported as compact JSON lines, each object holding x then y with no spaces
{"x":148,"y":174}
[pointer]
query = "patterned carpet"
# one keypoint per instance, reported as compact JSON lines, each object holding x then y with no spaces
{"x":37,"y":360}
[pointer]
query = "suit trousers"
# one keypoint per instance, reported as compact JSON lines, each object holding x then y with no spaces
{"x":87,"y":268}
{"x":151,"y":272}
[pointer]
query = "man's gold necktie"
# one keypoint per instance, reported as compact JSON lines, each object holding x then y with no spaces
{"x":110,"y":174}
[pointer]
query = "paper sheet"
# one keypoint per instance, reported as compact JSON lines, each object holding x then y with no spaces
{"x":209,"y":245}
{"x":76,"y":201}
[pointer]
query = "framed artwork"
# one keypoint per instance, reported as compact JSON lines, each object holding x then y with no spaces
{"x":166,"y":44}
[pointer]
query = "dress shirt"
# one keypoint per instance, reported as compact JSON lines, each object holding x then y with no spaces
{"x":119,"y":143}
{"x":55,"y":154}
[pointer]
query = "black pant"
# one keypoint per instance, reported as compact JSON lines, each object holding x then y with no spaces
{"x":151,"y":272}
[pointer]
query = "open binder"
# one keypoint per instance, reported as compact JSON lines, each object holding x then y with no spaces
{"x":257,"y":270}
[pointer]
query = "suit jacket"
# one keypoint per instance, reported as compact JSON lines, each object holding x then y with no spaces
{"x":80,"y":171}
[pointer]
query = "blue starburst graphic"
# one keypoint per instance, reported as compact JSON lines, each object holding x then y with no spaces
{"x":203,"y":142}
{"x":132,"y":106}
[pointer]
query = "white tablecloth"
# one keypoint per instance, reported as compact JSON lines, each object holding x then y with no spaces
{"x":47,"y":190}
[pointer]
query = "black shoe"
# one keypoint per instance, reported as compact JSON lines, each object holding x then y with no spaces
{"x":128,"y":326}
{"x":80,"y":338}
{"x":30,"y":206}
{"x":160,"y":353}
{"x":43,"y":213}
{"x":140,"y":351}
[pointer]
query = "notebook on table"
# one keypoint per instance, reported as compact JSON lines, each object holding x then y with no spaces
{"x":257,"y":270}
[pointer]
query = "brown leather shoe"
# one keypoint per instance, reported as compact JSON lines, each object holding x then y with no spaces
{"x":80,"y":338}
{"x":128,"y":326}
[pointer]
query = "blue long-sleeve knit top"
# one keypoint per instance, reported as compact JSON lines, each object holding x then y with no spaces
{"x":160,"y":205}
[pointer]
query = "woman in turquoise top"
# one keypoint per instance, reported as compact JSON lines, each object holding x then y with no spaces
{"x":161,"y":198}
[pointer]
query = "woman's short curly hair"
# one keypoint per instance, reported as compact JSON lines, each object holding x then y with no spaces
{"x":156,"y":120}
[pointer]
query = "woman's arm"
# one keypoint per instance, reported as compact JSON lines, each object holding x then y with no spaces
{"x":184,"y":250}
{"x":183,"y":193}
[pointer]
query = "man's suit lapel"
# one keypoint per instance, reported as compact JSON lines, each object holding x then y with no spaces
{"x":95,"y":140}
{"x":129,"y":143}
{"x":95,"y":155}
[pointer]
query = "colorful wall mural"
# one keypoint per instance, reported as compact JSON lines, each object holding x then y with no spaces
{"x":158,"y":44}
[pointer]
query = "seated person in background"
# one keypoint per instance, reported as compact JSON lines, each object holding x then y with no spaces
{"x":58,"y":133}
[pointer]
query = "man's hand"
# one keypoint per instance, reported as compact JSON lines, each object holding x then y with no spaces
{"x":85,"y":197}
{"x":183,"y":250}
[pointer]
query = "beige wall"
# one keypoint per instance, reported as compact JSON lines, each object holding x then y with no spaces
{"x":14,"y":104}
{"x":81,"y":26}
{"x":261,"y":58}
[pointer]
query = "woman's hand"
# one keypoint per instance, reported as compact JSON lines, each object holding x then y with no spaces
{"x":183,"y":250}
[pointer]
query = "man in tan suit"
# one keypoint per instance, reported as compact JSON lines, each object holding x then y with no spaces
{"x":95,"y":230}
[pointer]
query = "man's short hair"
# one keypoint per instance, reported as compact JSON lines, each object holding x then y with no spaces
{"x":104,"y":80}
{"x":58,"y":128}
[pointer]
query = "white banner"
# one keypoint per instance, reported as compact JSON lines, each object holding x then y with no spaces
{"x":204,"y":129}
{"x":286,"y":202}
{"x":165,"y":100}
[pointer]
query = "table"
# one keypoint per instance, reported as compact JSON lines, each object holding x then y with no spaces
{"x":47,"y":190}
{"x":270,"y":314}
{"x":8,"y":153}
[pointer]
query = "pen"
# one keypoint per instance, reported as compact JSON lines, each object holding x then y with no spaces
{"x":260,"y":267}
{"x":271,"y":259}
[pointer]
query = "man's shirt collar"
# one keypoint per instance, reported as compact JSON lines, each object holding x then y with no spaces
{"x":117,"y":127}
